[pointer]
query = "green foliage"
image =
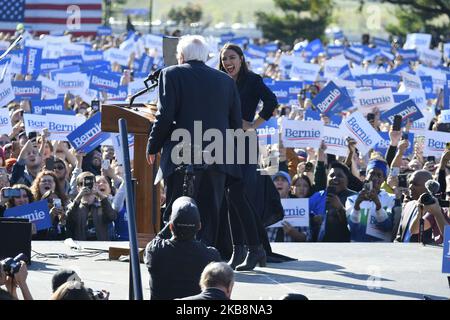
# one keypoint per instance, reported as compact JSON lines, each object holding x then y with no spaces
{"x":307,"y":19}
{"x":186,"y":15}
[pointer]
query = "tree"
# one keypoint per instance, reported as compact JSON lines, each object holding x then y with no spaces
{"x":186,"y":15}
{"x":429,"y":16}
{"x":302,"y":18}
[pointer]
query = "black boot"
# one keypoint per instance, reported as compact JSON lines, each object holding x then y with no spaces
{"x":238,"y":256}
{"x":256,"y":254}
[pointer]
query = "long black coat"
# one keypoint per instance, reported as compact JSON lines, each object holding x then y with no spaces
{"x":194,"y":92}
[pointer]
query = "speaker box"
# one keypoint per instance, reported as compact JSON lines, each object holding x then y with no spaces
{"x":15,"y":238}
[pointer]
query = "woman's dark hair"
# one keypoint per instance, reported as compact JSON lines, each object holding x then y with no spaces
{"x":229,"y":46}
{"x":340,"y":165}
{"x":304,"y":177}
{"x":10,"y":203}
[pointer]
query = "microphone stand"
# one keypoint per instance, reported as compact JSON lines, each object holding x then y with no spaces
{"x":145,"y":90}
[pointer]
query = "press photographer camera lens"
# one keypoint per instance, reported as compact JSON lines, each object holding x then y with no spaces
{"x":12,"y":265}
{"x":309,"y":166}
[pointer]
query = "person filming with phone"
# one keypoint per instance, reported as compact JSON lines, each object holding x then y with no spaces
{"x":90,"y":214}
{"x":369,"y":213}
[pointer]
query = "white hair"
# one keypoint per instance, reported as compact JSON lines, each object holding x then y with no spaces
{"x":193,"y":48}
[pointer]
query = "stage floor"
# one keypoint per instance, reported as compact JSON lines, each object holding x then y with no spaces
{"x":323,"y":271}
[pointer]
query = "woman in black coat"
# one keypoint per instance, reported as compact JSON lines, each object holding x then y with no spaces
{"x":243,"y":196}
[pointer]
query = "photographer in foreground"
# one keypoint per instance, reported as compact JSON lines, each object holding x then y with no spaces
{"x":13,"y":279}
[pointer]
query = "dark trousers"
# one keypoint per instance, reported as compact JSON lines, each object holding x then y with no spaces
{"x":209,"y":186}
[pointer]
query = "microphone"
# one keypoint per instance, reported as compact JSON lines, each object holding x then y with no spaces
{"x":72,"y":244}
{"x":432,"y":186}
{"x":154,"y":75}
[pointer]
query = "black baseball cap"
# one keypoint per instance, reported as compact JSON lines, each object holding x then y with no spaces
{"x":185,"y":214}
{"x":62,"y":276}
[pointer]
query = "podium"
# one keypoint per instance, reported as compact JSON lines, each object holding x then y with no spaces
{"x":139,"y":119}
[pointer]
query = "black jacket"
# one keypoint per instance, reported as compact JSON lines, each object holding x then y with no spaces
{"x":175,"y":267}
{"x":208,"y":294}
{"x":194,"y":92}
{"x":251,"y":90}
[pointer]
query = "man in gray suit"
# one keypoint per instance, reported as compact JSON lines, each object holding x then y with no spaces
{"x":195,"y":98}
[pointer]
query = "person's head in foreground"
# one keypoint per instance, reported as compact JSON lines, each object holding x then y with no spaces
{"x":185,"y":219}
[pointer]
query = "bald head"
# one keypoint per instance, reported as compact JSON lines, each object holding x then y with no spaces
{"x":417,"y":183}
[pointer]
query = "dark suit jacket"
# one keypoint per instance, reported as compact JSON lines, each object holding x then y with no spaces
{"x":194,"y":92}
{"x":408,"y":212}
{"x":208,"y":294}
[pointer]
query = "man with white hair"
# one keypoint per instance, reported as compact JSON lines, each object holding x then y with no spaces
{"x":193,"y":95}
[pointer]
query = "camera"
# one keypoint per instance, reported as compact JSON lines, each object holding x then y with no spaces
{"x":105,"y":164}
{"x":88,"y":182}
{"x":403,"y":180}
{"x":309,"y":166}
{"x":12,"y":265}
{"x":10,"y":193}
{"x":97,"y":294}
{"x":95,"y":104}
{"x":331,"y":190}
{"x":57,"y":203}
{"x":368,"y":186}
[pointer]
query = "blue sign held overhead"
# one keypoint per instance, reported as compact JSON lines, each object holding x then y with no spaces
{"x":68,"y":61}
{"x":353,"y":55}
{"x":27,"y":89}
{"x":49,"y":64}
{"x":89,"y":135}
{"x":335,"y":50}
{"x":36,"y":212}
{"x":407,"y":109}
{"x":104,"y":31}
{"x":381,"y":80}
{"x":384,"y":144}
{"x":407,"y":54}
{"x":102,"y":81}
{"x":268,"y":132}
{"x":38,"y":106}
{"x":31,"y":63}
{"x":285,"y":91}
{"x":332,"y":100}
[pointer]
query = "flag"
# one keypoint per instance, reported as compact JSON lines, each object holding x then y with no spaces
{"x":80,"y":17}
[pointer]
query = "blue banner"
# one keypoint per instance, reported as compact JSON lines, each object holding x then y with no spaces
{"x":38,"y":106}
{"x":31,"y":63}
{"x":27,"y":89}
{"x":381,"y":43}
{"x":354,"y":56}
{"x":314,"y":48}
{"x":145,"y":63}
{"x":407,"y":109}
{"x":102,"y":81}
{"x":256,"y":51}
{"x":89,"y":135}
{"x":104,"y":31}
{"x":92,"y":55}
{"x":446,"y":251}
{"x":332,"y":100}
{"x":427,"y":86}
{"x":271,"y":47}
{"x":384,"y":144}
{"x":225,"y":37}
{"x":311,"y":115}
{"x":403,"y":67}
{"x":36,"y":212}
{"x":345,"y":73}
{"x":62,"y":112}
{"x":71,"y":69}
{"x":446,"y":97}
{"x":335,"y":50}
{"x":381,"y":80}
{"x":337,"y":35}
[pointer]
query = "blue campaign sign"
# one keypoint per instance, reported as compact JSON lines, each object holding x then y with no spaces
{"x":38,"y":106}
{"x":271,"y":47}
{"x":335,"y":121}
{"x":407,"y":109}
{"x":102,"y":81}
{"x":89,"y":66}
{"x":92,"y":55}
{"x":285,"y":91}
{"x":335,"y":50}
{"x":31,"y":63}
{"x":353,"y":55}
{"x":268,"y":132}
{"x":145,"y":63}
{"x":224,"y":37}
{"x":68,"y":61}
{"x":407,"y":54}
{"x":49,"y":64}
{"x":404,"y":67}
{"x":240,"y":41}
{"x":345,"y":73}
{"x":89,"y":135}
{"x":446,"y":251}
{"x":398,"y":97}
{"x":36,"y":212}
{"x":63,"y":112}
{"x":338,"y":35}
{"x":332,"y":100}
{"x":27,"y":89}
{"x":383,"y":145}
{"x":71,"y":69}
{"x":104,"y":31}
{"x":314,"y":48}
{"x":121,"y":95}
{"x":427,"y":86}
{"x":311,"y":115}
{"x":381,"y":80}
{"x":381,"y":42}
{"x":256,"y":51}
